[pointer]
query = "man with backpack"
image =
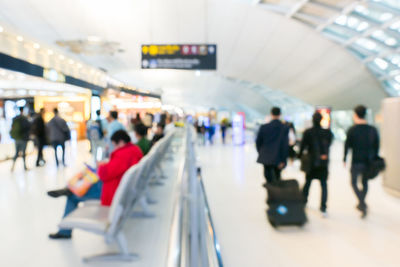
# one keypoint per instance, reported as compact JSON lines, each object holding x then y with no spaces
{"x":95,"y":135}
{"x":363,"y":140}
{"x":272,"y":145}
{"x":20,"y":129}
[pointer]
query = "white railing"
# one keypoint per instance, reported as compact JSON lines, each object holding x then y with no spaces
{"x":193,"y":241}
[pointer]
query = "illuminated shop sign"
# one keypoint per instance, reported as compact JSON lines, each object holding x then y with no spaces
{"x":184,"y":57}
{"x":53,"y":75}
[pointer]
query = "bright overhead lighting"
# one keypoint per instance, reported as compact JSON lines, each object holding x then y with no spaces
{"x":79,"y":65}
{"x":342,"y":20}
{"x":198,"y":73}
{"x":36,"y":46}
{"x":94,"y":39}
{"x":386,"y":16}
{"x":391,"y":41}
{"x":50,"y":52}
{"x":71,"y":61}
{"x":61,"y":57}
{"x":352,"y":22}
{"x":382,"y":64}
{"x":361,"y":9}
{"x":20,"y":38}
{"x":368,"y":44}
{"x":21,"y":92}
{"x":362,"y":26}
{"x":1,"y":29}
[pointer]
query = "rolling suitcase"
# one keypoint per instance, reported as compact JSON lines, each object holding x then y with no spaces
{"x":286,"y":205}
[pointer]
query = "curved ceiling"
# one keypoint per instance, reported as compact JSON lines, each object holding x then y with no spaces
{"x":257,"y":50}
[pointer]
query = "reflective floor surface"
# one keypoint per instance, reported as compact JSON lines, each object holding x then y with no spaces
{"x":237,"y":200}
{"x":28,"y":215}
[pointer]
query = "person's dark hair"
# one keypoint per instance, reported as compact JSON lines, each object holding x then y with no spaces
{"x":114,"y":114}
{"x":360,"y":111}
{"x":275,"y":111}
{"x":21,"y":109}
{"x":55,"y":110}
{"x":120,"y":135}
{"x":160,"y":125}
{"x":98,"y":112}
{"x":316,"y":119}
{"x":141,"y":129}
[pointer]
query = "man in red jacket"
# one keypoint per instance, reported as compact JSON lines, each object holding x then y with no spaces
{"x":124,"y":156}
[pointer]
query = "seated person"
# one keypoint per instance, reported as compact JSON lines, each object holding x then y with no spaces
{"x":122,"y":158}
{"x":141,"y":135}
{"x":159,"y":133}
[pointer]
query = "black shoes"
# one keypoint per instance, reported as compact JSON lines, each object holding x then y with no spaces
{"x":363,"y":209}
{"x":59,"y":236}
{"x":60,"y":192}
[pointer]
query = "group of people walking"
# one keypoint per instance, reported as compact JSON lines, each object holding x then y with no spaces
{"x":56,"y":132}
{"x":272,"y":144}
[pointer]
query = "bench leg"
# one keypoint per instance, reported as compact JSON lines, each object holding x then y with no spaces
{"x":145,"y":212}
{"x":123,"y":255}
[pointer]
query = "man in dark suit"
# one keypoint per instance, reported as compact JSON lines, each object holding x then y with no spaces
{"x":272,"y":146}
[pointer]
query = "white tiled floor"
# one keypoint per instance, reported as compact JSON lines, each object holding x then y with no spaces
{"x":237,"y":200}
{"x":28,"y":215}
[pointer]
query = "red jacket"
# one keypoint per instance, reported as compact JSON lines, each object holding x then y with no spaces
{"x":111,"y":173}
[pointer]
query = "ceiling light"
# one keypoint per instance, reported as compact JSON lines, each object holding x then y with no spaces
{"x":20,"y":38}
{"x":382,"y":64}
{"x":352,"y":22}
{"x":341,"y":20}
{"x":362,"y":26}
{"x":361,"y":9}
{"x":36,"y":46}
{"x":1,"y":29}
{"x":197,"y":73}
{"x":71,"y":61}
{"x":79,"y":65}
{"x":391,"y":41}
{"x":93,"y":39}
{"x":386,"y":16}
{"x":61,"y":57}
{"x":50,"y":52}
{"x":21,"y":92}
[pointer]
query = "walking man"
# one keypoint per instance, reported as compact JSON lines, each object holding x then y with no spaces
{"x":59,"y":133}
{"x":363,"y":140}
{"x":20,"y":133}
{"x":272,"y":145}
{"x":39,"y":131}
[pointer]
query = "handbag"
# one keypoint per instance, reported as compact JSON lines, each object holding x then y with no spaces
{"x":376,"y":164}
{"x":305,"y":162}
{"x":82,"y":181}
{"x":374,"y":167}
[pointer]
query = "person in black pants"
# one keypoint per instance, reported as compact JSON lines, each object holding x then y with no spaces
{"x":317,"y":141}
{"x":272,"y":145}
{"x":39,"y":131}
{"x":363,"y":140}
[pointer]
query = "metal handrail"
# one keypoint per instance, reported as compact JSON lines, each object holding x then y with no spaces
{"x":193,"y":240}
